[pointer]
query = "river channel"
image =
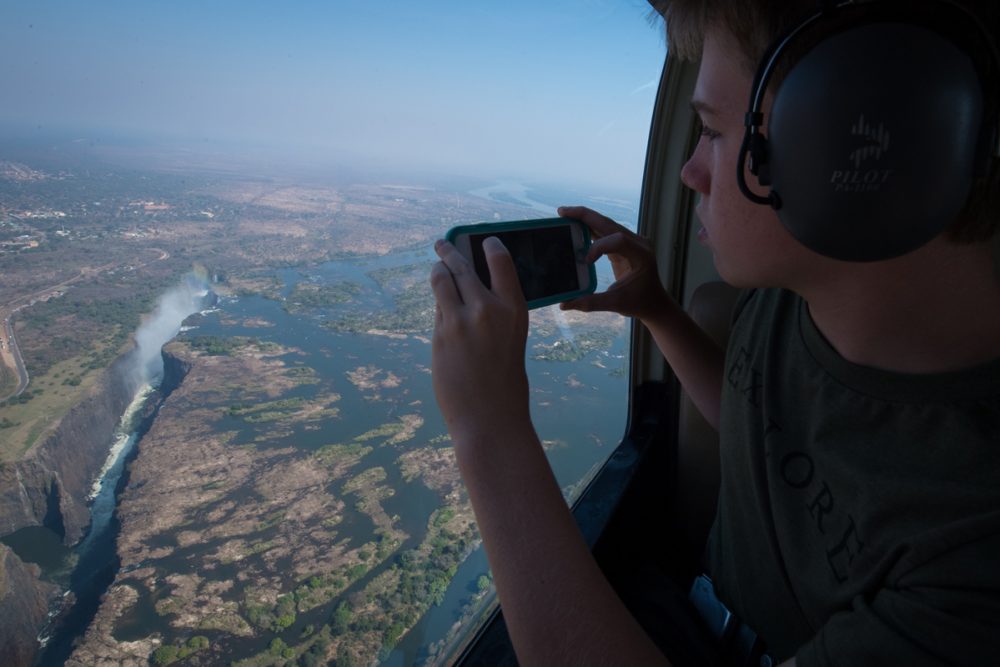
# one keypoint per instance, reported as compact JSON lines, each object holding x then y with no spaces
{"x":578,"y":405}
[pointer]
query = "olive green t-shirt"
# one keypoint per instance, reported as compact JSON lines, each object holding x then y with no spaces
{"x":859,"y":515}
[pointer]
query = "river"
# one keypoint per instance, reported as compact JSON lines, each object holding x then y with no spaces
{"x":95,"y":559}
{"x":579,"y":406}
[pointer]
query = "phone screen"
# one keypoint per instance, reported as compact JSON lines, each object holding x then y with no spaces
{"x":544,"y":259}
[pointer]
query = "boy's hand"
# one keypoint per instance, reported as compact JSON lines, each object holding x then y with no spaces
{"x":479,"y":343}
{"x":637,"y":291}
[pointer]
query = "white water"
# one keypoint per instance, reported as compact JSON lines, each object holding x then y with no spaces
{"x":123,"y":436}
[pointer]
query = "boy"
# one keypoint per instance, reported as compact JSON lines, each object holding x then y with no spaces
{"x":858,"y":408}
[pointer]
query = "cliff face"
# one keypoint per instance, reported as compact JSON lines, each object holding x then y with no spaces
{"x":174,"y":371}
{"x":50,"y":485}
{"x":24,"y":603}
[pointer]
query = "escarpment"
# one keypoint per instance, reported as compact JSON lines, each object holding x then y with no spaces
{"x":24,"y":604}
{"x":50,"y":486}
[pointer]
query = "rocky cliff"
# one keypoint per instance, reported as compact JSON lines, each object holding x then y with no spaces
{"x":50,"y":484}
{"x":24,"y":604}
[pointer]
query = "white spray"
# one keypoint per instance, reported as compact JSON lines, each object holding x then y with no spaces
{"x":172,"y":309}
{"x":564,"y":328}
{"x":145,"y":369}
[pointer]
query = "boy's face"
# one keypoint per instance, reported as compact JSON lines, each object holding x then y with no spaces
{"x":749,"y":245}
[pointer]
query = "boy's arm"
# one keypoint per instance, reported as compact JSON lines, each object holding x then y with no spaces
{"x":637,"y":292}
{"x":558,"y":606}
{"x":694,"y":357}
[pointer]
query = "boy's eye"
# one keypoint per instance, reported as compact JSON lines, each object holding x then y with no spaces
{"x":705,"y":130}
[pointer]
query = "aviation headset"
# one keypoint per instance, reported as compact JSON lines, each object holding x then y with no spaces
{"x":880,"y":128}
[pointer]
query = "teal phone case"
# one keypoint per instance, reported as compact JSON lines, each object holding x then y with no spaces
{"x":496,"y":227}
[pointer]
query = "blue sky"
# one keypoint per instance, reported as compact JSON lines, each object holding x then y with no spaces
{"x":557,"y":90}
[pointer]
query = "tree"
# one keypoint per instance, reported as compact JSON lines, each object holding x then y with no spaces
{"x":342,"y":618}
{"x":277,"y":646}
{"x":165,"y":655}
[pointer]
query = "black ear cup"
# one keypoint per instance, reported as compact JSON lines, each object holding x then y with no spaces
{"x":873,"y":140}
{"x":877,"y":132}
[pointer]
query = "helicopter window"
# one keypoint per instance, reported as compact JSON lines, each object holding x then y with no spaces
{"x":215,"y":233}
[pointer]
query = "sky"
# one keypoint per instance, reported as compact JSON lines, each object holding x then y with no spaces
{"x":556,"y":90}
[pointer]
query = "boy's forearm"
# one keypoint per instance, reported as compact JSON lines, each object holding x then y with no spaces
{"x":558,"y":606}
{"x":694,"y":357}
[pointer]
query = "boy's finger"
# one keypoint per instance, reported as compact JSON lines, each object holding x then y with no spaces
{"x":466,"y":280}
{"x":599,"y":224}
{"x":616,"y":243}
{"x":445,"y":291}
{"x":503,"y":275}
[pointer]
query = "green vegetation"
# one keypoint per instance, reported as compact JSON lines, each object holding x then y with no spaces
{"x":386,"y":431}
{"x":312,"y":295}
{"x":26,"y":396}
{"x":394,"y":433}
{"x":394,"y":278}
{"x":342,"y":617}
{"x":218,"y":345}
{"x":384,"y":610}
{"x":29,"y":415}
{"x":262,"y":546}
{"x":170,"y":653}
{"x":315,"y":655}
{"x":286,"y":409}
{"x":276,"y":617}
{"x":8,"y":380}
{"x":302,"y":375}
{"x":91,"y":324}
{"x":368,"y":478}
{"x":411,"y":293}
{"x":267,"y":411}
{"x":268,"y":286}
{"x":397,"y":597}
{"x":563,"y":350}
{"x":350,"y":454}
{"x":309,"y":653}
{"x":168,"y":605}
{"x":443,"y":516}
{"x":319,"y":590}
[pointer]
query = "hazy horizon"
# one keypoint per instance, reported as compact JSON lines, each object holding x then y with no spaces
{"x":559,"y":93}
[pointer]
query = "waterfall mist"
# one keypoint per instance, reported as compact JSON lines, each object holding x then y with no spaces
{"x":173,"y":307}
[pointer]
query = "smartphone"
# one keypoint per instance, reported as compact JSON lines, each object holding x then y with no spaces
{"x":550,"y":256}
